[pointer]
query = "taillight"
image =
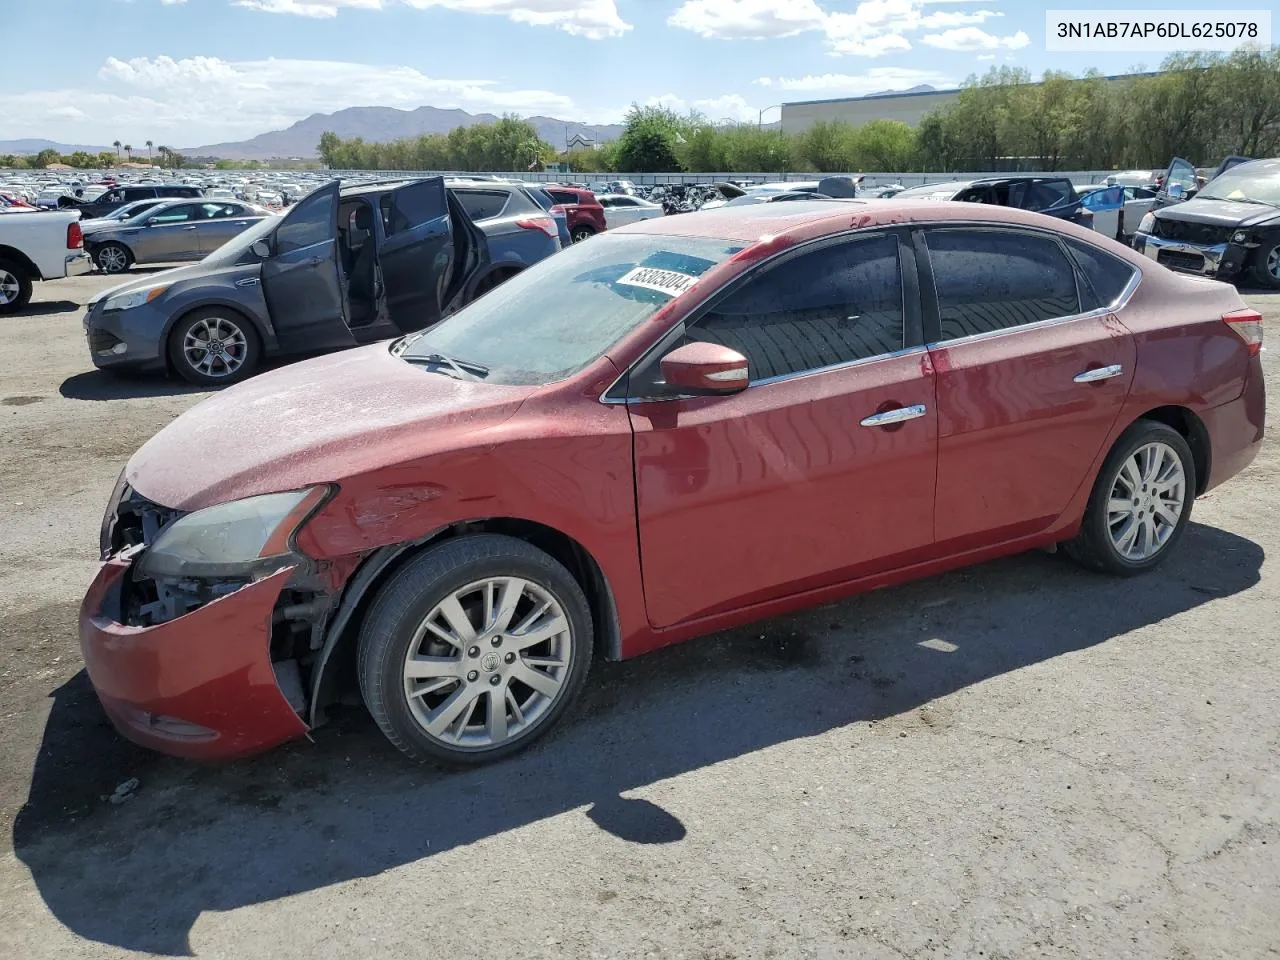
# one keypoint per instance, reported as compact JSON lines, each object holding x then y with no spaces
{"x":545,"y":224}
{"x":1248,"y":327}
{"x":75,"y":236}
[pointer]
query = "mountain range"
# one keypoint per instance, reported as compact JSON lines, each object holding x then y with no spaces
{"x":380,"y":124}
{"x":375,"y":125}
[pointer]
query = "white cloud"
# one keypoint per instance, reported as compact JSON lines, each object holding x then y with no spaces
{"x":971,"y":38}
{"x":748,"y":19}
{"x":874,"y":27}
{"x":172,"y":3}
{"x":594,"y":19}
{"x":875,"y":80}
{"x":198,"y":100}
{"x":986,"y":56}
{"x":731,"y":106}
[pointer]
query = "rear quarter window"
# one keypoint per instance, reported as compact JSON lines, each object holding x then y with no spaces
{"x":483,"y":204}
{"x":1107,"y":275}
{"x":563,"y":196}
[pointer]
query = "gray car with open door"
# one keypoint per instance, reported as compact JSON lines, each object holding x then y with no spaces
{"x":342,"y":267}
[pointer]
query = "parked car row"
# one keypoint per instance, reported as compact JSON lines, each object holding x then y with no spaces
{"x":453,"y":524}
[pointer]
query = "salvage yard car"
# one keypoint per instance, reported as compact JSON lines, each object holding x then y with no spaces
{"x":343,"y":267}
{"x":37,"y":246}
{"x":170,"y":232}
{"x":1052,"y":196}
{"x":678,"y":427}
{"x":1229,"y":230}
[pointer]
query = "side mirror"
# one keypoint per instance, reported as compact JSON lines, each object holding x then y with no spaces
{"x":1177,"y":191}
{"x":261,"y":249}
{"x":705,"y":368}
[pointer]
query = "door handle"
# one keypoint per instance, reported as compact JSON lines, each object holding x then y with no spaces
{"x":900,"y":415}
{"x":1099,"y":373}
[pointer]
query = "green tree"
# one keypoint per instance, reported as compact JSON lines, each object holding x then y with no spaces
{"x":827,"y":147}
{"x":116,"y":144}
{"x":1247,"y":83}
{"x":46,"y":157}
{"x":649,"y":140}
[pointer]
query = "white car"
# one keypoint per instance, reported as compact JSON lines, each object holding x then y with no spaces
{"x":619,"y":209}
{"x":1117,"y":208}
{"x":37,"y":246}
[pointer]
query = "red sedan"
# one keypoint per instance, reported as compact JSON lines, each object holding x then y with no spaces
{"x":680,"y":426}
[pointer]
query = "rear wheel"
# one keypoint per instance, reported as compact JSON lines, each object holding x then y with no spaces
{"x":1141,"y":502}
{"x":474,"y":649}
{"x":1266,"y":264}
{"x":582,"y":233}
{"x":213,"y":347}
{"x":15,"y":287}
{"x":113,"y":258}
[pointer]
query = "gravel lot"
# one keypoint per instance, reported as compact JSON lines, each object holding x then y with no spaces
{"x":1017,"y":760}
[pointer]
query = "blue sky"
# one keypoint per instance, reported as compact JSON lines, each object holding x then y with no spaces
{"x":191,"y":72}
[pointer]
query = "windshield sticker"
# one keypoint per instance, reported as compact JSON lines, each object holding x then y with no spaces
{"x":664,"y":281}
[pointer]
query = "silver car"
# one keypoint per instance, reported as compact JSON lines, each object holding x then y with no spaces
{"x":175,"y":230}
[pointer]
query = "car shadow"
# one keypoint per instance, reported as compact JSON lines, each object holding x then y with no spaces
{"x":45,"y":307}
{"x":136,"y":875}
{"x":124,"y":384}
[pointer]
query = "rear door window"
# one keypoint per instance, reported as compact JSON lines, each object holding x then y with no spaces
{"x":989,"y":280}
{"x":482,"y":204}
{"x":1107,"y":275}
{"x":413,"y":205}
{"x":563,"y":196}
{"x":179,"y":214}
{"x":139,"y":193}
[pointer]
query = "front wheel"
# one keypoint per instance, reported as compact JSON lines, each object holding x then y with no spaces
{"x":15,"y":287}
{"x":474,"y":649}
{"x":113,"y":258}
{"x":1266,"y":265}
{"x":1140,"y":504}
{"x":214,"y":347}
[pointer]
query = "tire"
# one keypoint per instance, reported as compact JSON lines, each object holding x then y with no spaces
{"x":113,"y":257}
{"x":15,"y":287}
{"x":1104,"y":530}
{"x":1266,"y":264}
{"x":240,"y":353}
{"x":467,"y":681}
{"x":582,"y":233}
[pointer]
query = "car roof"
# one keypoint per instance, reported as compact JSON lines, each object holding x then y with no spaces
{"x":816,"y":218}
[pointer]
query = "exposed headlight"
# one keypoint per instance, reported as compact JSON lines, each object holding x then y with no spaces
{"x":1240,"y":236}
{"x":231,"y":539}
{"x":134,"y":298}
{"x":1148,"y":223}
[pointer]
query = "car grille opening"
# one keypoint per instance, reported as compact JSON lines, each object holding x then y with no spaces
{"x":1205,"y":233}
{"x":1180,"y":260}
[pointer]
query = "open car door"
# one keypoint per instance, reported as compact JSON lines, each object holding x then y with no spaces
{"x":420,"y":254}
{"x":1232,"y":161}
{"x":301,"y":279}
{"x":1179,"y":183}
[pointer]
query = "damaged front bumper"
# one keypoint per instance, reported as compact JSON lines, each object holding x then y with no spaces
{"x":201,"y":686}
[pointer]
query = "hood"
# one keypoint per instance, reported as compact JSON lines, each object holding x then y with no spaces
{"x":319,"y":421}
{"x":192,"y":271}
{"x":1219,"y":213}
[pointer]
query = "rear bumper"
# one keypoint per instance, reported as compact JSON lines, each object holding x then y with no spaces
{"x":78,"y":264}
{"x":201,"y":686}
{"x":1236,"y":428}
{"x":1223,"y":261}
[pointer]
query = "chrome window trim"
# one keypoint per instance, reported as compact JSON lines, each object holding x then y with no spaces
{"x":1118,"y":304}
{"x":888,"y":230}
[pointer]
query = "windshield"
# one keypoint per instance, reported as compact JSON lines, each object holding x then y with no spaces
{"x":234,"y":249}
{"x":553,"y":319}
{"x":1246,"y":182}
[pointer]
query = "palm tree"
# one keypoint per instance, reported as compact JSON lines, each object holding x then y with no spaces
{"x":129,"y":151}
{"x":148,"y":149}
{"x":116,"y":144}
{"x":164,"y":154}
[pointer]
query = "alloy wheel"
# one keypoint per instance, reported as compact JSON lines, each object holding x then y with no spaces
{"x":1273,"y":262}
{"x":10,"y":288}
{"x":215,"y":347}
{"x":488,"y":663}
{"x":113,"y":260}
{"x":1146,"y":502}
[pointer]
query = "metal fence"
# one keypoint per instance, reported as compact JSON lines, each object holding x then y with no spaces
{"x":650,"y":179}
